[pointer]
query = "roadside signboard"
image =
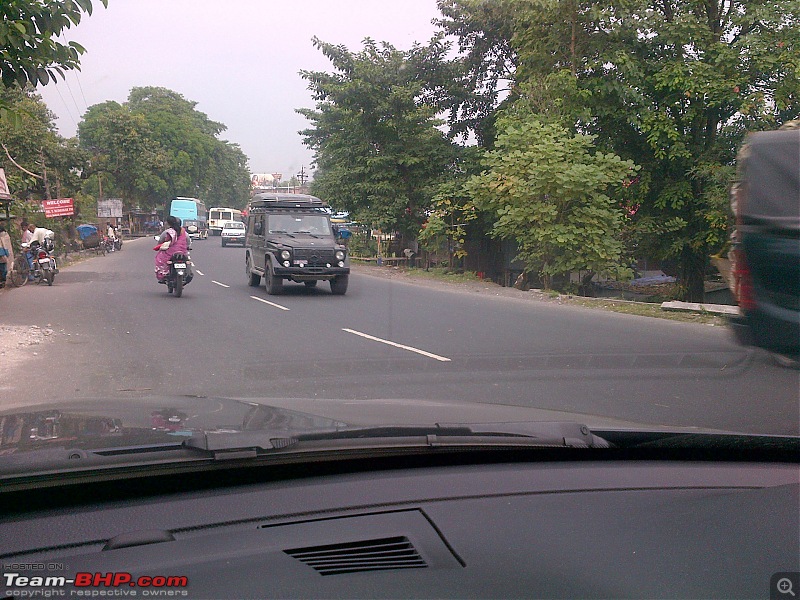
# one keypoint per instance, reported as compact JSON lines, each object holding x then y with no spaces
{"x":109,"y":208}
{"x":60,"y":207}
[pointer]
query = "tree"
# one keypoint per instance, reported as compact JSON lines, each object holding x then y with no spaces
{"x":157,"y":146}
{"x":378,"y":151}
{"x":38,"y":162}
{"x":550,"y":192}
{"x":29,"y":49}
{"x":481,"y":79}
{"x":675,"y":85}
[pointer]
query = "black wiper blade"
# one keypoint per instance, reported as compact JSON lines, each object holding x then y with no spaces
{"x":524,"y":434}
{"x":281,"y":231}
{"x":314,"y":235}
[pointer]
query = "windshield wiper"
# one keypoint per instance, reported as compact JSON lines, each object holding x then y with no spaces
{"x":281,"y":231}
{"x":314,"y":235}
{"x":518,"y":434}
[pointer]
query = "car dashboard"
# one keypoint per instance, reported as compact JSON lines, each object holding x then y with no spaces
{"x":422,"y":528}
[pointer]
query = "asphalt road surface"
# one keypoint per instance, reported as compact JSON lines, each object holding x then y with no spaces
{"x":117,"y":334}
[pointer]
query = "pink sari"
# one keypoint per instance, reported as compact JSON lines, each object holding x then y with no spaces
{"x":178,"y":243}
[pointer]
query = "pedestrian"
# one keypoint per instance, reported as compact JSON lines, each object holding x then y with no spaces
{"x":26,"y":232}
{"x":6,"y":254}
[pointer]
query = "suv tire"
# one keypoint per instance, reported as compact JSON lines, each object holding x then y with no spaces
{"x":274,"y":284}
{"x":339,"y":285}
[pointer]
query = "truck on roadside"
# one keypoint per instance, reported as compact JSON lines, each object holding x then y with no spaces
{"x":290,"y":238}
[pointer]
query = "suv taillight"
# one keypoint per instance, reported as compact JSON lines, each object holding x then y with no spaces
{"x":743,"y":278}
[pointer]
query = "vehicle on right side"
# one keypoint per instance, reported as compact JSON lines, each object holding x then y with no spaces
{"x":766,"y":243}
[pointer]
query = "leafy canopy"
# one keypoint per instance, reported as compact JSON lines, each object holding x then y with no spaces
{"x":157,"y":146}
{"x":29,"y":49}
{"x":550,"y":191}
{"x":377,"y":147}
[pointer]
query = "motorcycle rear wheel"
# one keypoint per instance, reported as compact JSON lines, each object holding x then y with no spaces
{"x":178,"y":286}
{"x":48,"y":276}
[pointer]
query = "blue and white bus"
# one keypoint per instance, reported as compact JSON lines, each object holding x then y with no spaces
{"x":193,"y":215}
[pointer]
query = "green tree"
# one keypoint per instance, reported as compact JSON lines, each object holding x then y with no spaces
{"x":550,"y":192}
{"x":675,"y":85}
{"x":481,"y":78}
{"x":378,"y":151}
{"x":29,"y":48}
{"x":38,"y":162}
{"x":157,"y":146}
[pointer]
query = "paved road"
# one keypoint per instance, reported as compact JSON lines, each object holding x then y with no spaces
{"x":116,"y":333}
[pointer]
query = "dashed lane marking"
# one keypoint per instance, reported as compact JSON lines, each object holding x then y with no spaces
{"x":396,"y":345}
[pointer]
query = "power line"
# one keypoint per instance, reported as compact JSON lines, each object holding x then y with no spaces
{"x":69,"y":112}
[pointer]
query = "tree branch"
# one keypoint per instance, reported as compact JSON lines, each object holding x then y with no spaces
{"x":21,"y":168}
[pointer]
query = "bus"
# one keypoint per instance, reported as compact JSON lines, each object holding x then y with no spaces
{"x":218,"y":216}
{"x":193,"y":215}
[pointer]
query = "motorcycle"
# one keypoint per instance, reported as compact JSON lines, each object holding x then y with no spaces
{"x":180,"y":273}
{"x":108,"y":244}
{"x":118,"y":243}
{"x":44,"y":266}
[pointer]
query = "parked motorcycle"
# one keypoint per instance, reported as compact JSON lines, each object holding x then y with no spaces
{"x":180,"y":273}
{"x":44,"y":266}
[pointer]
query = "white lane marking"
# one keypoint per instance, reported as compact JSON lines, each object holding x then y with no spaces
{"x":220,"y":284}
{"x":268,"y":302}
{"x":396,"y":345}
{"x":199,"y":272}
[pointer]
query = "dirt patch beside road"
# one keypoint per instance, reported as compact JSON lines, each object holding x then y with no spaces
{"x":19,"y":343}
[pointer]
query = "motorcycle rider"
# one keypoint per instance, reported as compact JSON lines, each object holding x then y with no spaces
{"x":176,"y":240}
{"x":111,"y":233}
{"x":39,"y":235}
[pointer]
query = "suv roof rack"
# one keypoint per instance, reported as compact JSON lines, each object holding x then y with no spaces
{"x":268,"y":200}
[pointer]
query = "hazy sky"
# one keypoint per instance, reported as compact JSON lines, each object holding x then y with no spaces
{"x":238,"y":59}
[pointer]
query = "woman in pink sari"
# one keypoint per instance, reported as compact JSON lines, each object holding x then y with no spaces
{"x":178,"y":242}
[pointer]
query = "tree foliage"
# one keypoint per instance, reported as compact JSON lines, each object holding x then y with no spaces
{"x":157,"y":146}
{"x":550,"y":191}
{"x":675,"y":85}
{"x":30,"y":51}
{"x":30,"y":144}
{"x":377,"y":147}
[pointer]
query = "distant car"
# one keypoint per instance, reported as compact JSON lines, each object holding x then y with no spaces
{"x":233,"y":232}
{"x":767,"y":243}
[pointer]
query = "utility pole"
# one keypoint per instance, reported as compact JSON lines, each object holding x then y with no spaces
{"x":302,"y":176}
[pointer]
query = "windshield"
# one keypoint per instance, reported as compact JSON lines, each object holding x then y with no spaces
{"x":535,"y":217}
{"x":313,"y":224}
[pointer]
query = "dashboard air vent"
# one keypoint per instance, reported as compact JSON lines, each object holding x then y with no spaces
{"x":367,"y":555}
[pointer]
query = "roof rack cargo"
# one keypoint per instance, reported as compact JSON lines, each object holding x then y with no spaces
{"x":268,"y":200}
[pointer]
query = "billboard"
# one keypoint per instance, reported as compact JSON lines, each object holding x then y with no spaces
{"x":60,"y":207}
{"x":262,"y":180}
{"x":109,"y":208}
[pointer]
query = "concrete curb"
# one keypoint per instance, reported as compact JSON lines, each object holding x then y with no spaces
{"x":718,"y":309}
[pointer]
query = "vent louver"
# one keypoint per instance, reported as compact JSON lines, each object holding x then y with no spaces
{"x":353,"y":557}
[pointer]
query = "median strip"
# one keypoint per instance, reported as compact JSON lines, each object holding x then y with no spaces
{"x":396,"y":345}
{"x":220,"y":284}
{"x":268,"y":302}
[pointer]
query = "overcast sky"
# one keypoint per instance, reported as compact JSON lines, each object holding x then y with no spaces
{"x":238,"y":59}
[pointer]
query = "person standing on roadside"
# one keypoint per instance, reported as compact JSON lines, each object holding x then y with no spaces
{"x":26,"y":232}
{"x":6,"y":254}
